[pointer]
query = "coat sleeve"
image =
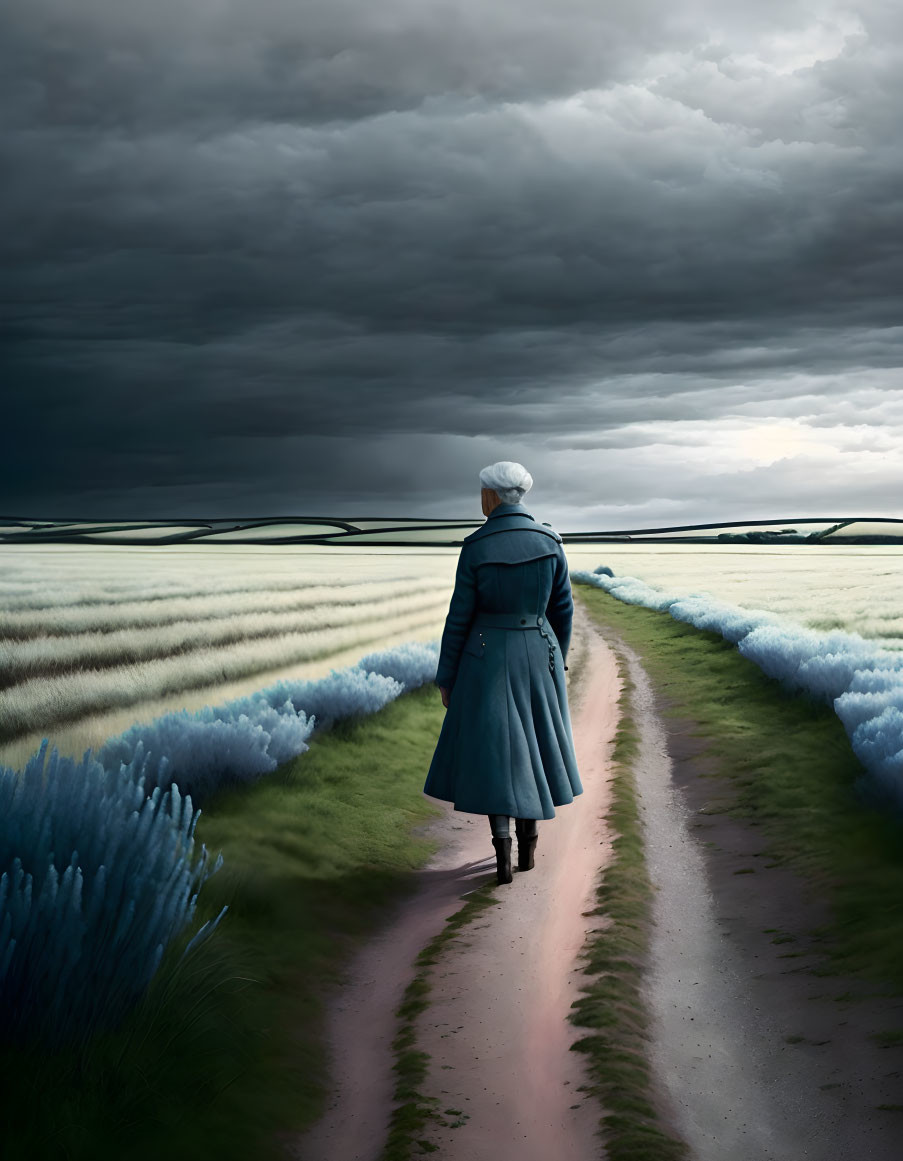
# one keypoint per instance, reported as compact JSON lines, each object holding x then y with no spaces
{"x":560,"y":609}
{"x":457,"y":622}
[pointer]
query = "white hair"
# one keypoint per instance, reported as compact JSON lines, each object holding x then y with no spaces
{"x":512,"y":481}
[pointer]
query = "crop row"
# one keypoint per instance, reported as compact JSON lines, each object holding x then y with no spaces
{"x":34,"y":704}
{"x":138,"y":613}
{"x":52,"y":655}
{"x":67,"y":590}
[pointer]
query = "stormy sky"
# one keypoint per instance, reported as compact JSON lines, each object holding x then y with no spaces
{"x":331,"y":257}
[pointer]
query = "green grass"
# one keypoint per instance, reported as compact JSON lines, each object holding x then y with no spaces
{"x":228,"y":1051}
{"x":784,"y":764}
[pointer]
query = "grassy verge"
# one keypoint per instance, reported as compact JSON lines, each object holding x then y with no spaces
{"x":228,"y":1048}
{"x":789,"y":768}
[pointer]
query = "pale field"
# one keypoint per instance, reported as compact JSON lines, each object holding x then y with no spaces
{"x":135,"y":632}
{"x":857,"y":588}
{"x":228,"y":621}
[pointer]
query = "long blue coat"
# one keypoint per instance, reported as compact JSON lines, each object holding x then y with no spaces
{"x":506,"y":745}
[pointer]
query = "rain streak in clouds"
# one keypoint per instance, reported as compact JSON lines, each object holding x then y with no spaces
{"x":332,"y":258}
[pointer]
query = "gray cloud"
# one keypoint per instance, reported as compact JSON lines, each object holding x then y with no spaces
{"x":248,"y":248}
{"x":145,"y":68}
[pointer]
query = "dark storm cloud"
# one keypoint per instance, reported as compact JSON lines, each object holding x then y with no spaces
{"x":241,"y":238}
{"x":104,"y":64}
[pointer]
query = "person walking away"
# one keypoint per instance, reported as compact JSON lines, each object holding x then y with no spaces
{"x":506,"y":748}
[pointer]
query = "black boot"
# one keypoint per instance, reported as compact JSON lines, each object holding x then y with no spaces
{"x":503,"y":858}
{"x":525,"y":828}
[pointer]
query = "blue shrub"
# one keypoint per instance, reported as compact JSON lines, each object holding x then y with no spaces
{"x":97,"y":880}
{"x":212,"y":747}
{"x":344,"y":693}
{"x":731,"y":621}
{"x":362,"y":688}
{"x":412,"y":664}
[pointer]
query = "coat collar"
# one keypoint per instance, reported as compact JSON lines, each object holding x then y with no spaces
{"x":505,"y":509}
{"x":490,"y":527}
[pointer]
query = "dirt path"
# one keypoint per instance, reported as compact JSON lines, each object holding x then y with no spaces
{"x":755,"y":1057}
{"x":496,"y":1026}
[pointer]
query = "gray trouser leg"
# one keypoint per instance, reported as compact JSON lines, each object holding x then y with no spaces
{"x":501,"y":825}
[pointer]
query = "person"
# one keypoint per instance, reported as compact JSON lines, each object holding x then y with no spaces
{"x":506,"y":748}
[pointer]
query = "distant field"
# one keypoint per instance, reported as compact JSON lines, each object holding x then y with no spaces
{"x":96,"y":637}
{"x":855,"y":588}
{"x":865,"y":528}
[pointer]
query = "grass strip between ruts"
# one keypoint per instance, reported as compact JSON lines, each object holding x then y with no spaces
{"x":417,"y":1108}
{"x":616,"y":956}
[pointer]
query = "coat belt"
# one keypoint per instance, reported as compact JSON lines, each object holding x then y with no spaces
{"x":510,"y":620}
{"x":518,"y":621}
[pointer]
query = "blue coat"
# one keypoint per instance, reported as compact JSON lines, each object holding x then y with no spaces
{"x":506,"y":745}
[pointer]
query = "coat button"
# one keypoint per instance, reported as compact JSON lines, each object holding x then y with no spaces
{"x":523,"y":621}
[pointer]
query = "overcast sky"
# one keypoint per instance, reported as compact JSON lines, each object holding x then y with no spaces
{"x":332,"y":257}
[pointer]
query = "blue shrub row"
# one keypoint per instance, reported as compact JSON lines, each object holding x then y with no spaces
{"x":862,"y":682}
{"x":98,"y":876}
{"x":250,"y":736}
